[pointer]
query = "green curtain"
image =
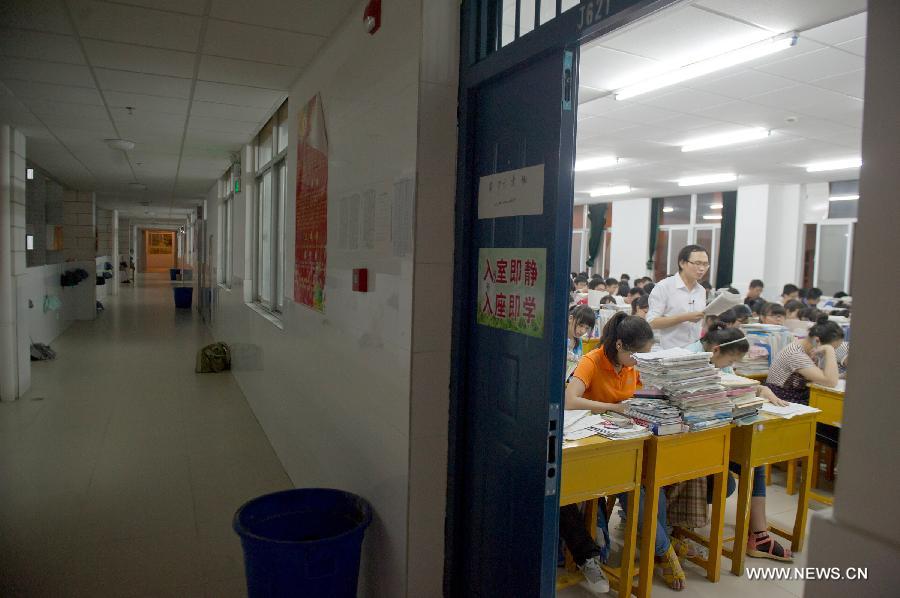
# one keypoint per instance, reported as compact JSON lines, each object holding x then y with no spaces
{"x":597,"y":218}
{"x":725,"y":267}
{"x":655,"y":211}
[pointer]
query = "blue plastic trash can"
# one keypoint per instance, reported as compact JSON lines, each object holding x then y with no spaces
{"x":183,"y":296}
{"x":303,"y":542}
{"x":173,"y":273}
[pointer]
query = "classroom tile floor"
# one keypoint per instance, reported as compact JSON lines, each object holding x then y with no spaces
{"x":781,"y":509}
{"x":120,"y":469}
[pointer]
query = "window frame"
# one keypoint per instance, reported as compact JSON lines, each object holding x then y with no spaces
{"x":226,"y":228}
{"x":276,"y":170}
{"x":692,"y":228}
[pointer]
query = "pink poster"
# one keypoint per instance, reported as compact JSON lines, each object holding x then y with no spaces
{"x":312,"y":206}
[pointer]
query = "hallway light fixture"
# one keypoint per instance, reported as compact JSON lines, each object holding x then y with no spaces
{"x":712,"y":216}
{"x":709,"y":65}
{"x":668,"y":210}
{"x":834,"y":165}
{"x":725,"y":139}
{"x":615,"y":190}
{"x":843,"y":197}
{"x":595,"y":163}
{"x":716,"y":206}
{"x":29,"y":174}
{"x":120,"y":144}
{"x":707,"y":179}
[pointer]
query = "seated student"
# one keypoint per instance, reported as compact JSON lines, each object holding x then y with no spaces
{"x":640,"y":306}
{"x":728,"y":346}
{"x":757,"y":306}
{"x":608,"y":300}
{"x":772,"y":313}
{"x":581,"y":321}
{"x":581,"y":284}
{"x":754,"y":292}
{"x":596,"y":284}
{"x":742,"y":314}
{"x":792,"y":309}
{"x":790,"y":291}
{"x":603,"y":379}
{"x":612,"y":286}
{"x":813,"y":296}
{"x":798,"y":364}
{"x":810,"y":314}
{"x":648,"y":287}
{"x":633,"y":293}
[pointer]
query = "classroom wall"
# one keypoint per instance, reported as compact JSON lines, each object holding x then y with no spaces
{"x":863,"y":530}
{"x":37,"y":283}
{"x":630,"y":237}
{"x":357,"y":397}
{"x":750,"y":235}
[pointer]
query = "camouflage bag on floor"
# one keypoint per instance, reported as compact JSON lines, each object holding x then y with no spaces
{"x":213,"y":358}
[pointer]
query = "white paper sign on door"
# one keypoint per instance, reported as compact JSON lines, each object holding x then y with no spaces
{"x":512,"y":193}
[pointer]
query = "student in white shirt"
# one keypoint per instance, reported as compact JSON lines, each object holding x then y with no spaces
{"x":677,"y":303}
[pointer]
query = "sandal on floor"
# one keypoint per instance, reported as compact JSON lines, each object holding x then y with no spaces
{"x":686,"y":549}
{"x":672,"y":572}
{"x":761,"y":545}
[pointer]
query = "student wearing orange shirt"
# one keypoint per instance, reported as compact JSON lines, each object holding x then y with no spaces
{"x":605,"y":378}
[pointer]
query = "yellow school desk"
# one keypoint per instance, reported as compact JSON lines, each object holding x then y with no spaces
{"x":589,"y":344}
{"x":677,"y":458}
{"x":831,"y":403}
{"x":770,"y":440}
{"x":595,"y":467}
{"x":761,"y":378}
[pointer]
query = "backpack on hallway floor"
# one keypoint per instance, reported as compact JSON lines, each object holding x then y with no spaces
{"x":42,"y":352}
{"x":213,"y":358}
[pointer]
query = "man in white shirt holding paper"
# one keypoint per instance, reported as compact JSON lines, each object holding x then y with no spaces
{"x":677,"y":303}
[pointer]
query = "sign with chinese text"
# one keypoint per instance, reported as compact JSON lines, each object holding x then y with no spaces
{"x":512,"y":193}
{"x":312,"y":206}
{"x":511,"y":284}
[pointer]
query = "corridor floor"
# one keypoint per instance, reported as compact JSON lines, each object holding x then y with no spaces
{"x":121,"y":468}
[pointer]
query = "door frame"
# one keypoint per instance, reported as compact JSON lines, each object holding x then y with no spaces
{"x":482,"y":60}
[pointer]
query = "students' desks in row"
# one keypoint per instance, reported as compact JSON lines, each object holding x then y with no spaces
{"x":596,"y":467}
{"x":830,"y":402}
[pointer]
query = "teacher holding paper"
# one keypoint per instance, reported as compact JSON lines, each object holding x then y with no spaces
{"x":676,"y":303}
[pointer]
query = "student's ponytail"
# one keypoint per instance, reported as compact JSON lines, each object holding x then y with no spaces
{"x":729,"y":340}
{"x":633,"y":331}
{"x":825,"y":330}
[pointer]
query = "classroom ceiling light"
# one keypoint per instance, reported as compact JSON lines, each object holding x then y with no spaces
{"x":706,"y":179}
{"x":843,"y":197}
{"x":729,"y":138}
{"x":29,"y":174}
{"x":712,"y":216}
{"x":716,"y":206}
{"x":668,"y":210}
{"x":595,"y":163}
{"x":125,"y":145}
{"x":834,"y":165}
{"x":709,"y":65}
{"x":615,"y":190}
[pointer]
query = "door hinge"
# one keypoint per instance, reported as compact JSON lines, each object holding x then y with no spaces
{"x":568,"y":80}
{"x":553,"y":431}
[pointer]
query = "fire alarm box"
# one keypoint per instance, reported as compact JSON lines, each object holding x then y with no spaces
{"x":372,"y":16}
{"x":361,"y":280}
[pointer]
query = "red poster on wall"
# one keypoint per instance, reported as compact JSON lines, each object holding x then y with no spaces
{"x":312,"y":206}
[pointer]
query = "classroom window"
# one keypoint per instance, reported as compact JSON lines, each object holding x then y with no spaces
{"x":271,"y":171}
{"x":840,"y":204}
{"x":687,"y":220}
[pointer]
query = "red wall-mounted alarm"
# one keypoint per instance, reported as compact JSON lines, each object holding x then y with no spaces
{"x":361,"y":280}
{"x":372,"y":16}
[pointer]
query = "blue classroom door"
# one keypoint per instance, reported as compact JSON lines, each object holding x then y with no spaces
{"x":513,"y":382}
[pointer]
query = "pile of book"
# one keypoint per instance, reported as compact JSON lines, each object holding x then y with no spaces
{"x":657,"y":415}
{"x":578,"y":424}
{"x":766,"y":340}
{"x":691,"y":384}
{"x":742,"y":394}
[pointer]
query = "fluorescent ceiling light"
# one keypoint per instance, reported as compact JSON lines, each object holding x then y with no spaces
{"x":834,"y":165}
{"x":595,"y":163}
{"x":706,"y":179}
{"x":709,"y":65}
{"x":725,"y":139}
{"x":712,"y":217}
{"x":617,"y":190}
{"x":715,"y":206}
{"x":125,"y":145}
{"x":29,"y":174}
{"x":843,"y":197}
{"x":668,"y":210}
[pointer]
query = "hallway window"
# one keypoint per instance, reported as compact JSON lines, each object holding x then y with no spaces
{"x":271,"y":150}
{"x":226,"y":214}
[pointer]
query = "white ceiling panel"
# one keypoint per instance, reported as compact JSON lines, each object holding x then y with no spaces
{"x":597,"y":107}
{"x":40,"y":46}
{"x":221,"y":139}
{"x":229,"y":111}
{"x":46,"y":72}
{"x":141,"y":59}
{"x":129,"y":24}
{"x":813,"y":101}
{"x":604,"y":68}
{"x":600,"y":125}
{"x":852,"y":84}
{"x":238,"y":95}
{"x":228,"y":126}
{"x":749,"y":114}
{"x":236,"y":40}
{"x":684,"y":35}
{"x":310,"y":16}
{"x":786,"y":15}
{"x":856,"y":46}
{"x":688,"y":122}
{"x":243,"y":72}
{"x":189,"y":7}
{"x":815,"y":65}
{"x":684,"y":100}
{"x":641,"y":113}
{"x":149,"y":121}
{"x":146,"y":103}
{"x":741,"y":84}
{"x":40,"y":15}
{"x":141,"y":83}
{"x":842,"y":30}
{"x":54,"y":93}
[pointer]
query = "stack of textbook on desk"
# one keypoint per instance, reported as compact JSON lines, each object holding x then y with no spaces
{"x":657,"y":415}
{"x":578,"y":424}
{"x":742,"y":394}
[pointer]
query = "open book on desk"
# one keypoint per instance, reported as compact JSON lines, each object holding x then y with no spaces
{"x":788,"y":411}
